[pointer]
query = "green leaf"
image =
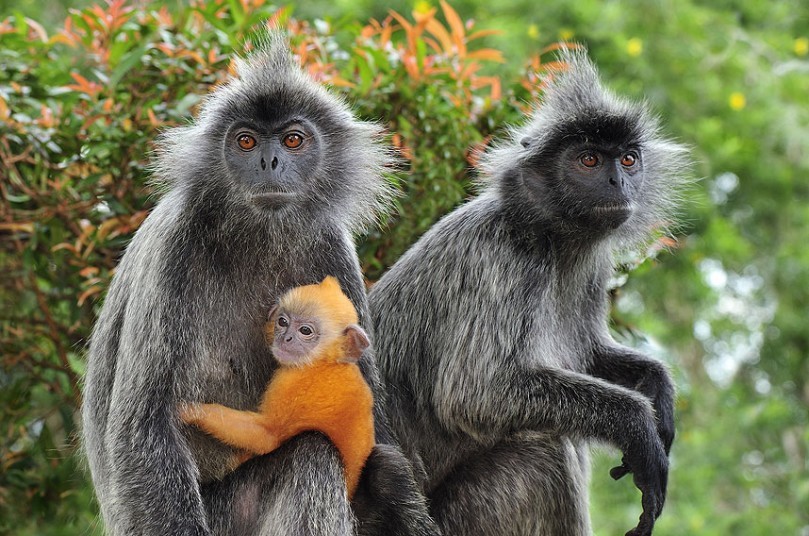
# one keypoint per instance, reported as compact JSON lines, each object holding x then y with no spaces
{"x":131,"y":59}
{"x":237,"y":12}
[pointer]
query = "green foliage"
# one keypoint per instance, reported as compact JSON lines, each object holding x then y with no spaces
{"x":73,"y":191}
{"x":80,"y":104}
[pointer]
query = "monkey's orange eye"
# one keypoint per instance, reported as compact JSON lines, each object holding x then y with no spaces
{"x":589,"y":160}
{"x":628,"y":160}
{"x":246,"y":142}
{"x":293,"y":140}
{"x":283,"y":322}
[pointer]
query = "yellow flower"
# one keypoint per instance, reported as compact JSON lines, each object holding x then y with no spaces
{"x":565,"y":34}
{"x":533,"y":31}
{"x":422,"y":6}
{"x":634,"y":47}
{"x":801,"y":46}
{"x":737,"y":101}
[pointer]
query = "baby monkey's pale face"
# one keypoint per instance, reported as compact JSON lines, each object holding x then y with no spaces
{"x":295,"y":338}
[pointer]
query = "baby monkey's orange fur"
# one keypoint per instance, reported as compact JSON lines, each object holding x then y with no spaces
{"x":326,"y":392}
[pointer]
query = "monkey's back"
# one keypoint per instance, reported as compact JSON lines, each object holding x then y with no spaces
{"x":331,"y":398}
{"x":495,"y":305}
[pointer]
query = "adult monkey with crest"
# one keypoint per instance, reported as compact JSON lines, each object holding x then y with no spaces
{"x":265,"y":191}
{"x":492,"y":329}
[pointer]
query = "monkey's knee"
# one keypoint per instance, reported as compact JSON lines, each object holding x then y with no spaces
{"x":387,"y":474}
{"x":297,"y":489}
{"x":388,"y":500}
{"x":562,"y":471}
{"x":309,"y":494}
{"x":526,"y":485}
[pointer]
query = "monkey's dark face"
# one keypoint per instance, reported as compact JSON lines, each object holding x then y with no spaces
{"x":603,"y":181}
{"x":295,"y":338}
{"x":276,"y":162}
{"x":593,"y":186}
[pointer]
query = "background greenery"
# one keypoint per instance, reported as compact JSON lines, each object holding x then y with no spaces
{"x":83,"y":92}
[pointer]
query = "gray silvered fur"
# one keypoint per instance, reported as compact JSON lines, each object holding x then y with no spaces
{"x":184,"y":318}
{"x":492,"y":337}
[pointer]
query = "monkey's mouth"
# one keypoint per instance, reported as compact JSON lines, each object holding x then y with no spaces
{"x":289,"y":358}
{"x":613,"y":214}
{"x":614,"y":208}
{"x":272,"y":199}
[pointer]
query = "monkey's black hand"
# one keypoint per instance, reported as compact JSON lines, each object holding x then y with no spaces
{"x":627,"y":368}
{"x":619,"y":472}
{"x":649,"y":465}
{"x":658,"y":388}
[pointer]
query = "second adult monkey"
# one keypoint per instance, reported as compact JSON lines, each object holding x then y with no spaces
{"x":319,"y":387}
{"x":491,"y":331}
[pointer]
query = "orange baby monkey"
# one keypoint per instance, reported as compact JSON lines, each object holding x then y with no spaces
{"x":316,"y":339}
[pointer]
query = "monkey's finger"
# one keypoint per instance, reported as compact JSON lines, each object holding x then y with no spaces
{"x":638,"y":531}
{"x":644,"y":528}
{"x":651,"y":510}
{"x":188,"y":412}
{"x":619,"y":472}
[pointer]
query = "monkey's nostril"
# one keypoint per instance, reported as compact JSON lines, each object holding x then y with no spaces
{"x":274,"y":162}
{"x":263,"y":164}
{"x":612,"y":181}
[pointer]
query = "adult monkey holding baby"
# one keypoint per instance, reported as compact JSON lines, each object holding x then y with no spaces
{"x":266,"y":188}
{"x":492,"y":330}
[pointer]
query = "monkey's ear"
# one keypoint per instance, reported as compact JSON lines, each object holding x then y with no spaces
{"x":356,"y":343}
{"x":272,"y":312}
{"x":525,"y":142}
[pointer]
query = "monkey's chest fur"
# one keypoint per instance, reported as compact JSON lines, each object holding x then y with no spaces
{"x":232,"y":362}
{"x":216,"y":290}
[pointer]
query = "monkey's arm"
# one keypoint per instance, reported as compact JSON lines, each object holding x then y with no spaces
{"x":152,"y":477}
{"x":143,"y":470}
{"x":491,"y":403}
{"x":246,"y":430}
{"x":633,"y":370}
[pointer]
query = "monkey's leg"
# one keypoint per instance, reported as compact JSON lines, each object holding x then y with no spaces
{"x":241,"y":429}
{"x":297,"y":490}
{"x":388,"y":501}
{"x":528,"y":484}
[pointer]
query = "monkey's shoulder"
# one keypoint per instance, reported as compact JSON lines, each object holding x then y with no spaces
{"x":471,"y":244}
{"x":483,"y":226}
